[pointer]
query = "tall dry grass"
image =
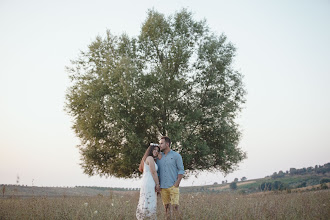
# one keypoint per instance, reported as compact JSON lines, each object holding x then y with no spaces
{"x":304,"y":205}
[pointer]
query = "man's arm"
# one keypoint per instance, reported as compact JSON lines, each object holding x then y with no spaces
{"x":177,"y":183}
{"x":179,"y":165}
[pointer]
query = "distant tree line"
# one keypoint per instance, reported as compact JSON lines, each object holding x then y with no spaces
{"x":309,"y":170}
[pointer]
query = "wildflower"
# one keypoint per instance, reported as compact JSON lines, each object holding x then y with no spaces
{"x":95,"y":212}
{"x":86,"y":204}
{"x":111,"y":204}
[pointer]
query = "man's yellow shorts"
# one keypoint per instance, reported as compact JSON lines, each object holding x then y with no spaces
{"x":170,"y":195}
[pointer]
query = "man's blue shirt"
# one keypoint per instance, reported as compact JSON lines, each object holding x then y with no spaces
{"x":168,"y":168}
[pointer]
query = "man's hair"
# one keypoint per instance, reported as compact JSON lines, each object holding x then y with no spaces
{"x":167,"y":140}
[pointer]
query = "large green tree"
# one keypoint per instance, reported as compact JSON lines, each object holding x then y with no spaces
{"x":176,"y":79}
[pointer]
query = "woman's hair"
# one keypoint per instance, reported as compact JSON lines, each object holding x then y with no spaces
{"x":149,"y":152}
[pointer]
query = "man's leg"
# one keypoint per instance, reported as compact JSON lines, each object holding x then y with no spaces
{"x":166,"y":202}
{"x":176,"y":212}
{"x":175,"y":194}
{"x":168,"y":211}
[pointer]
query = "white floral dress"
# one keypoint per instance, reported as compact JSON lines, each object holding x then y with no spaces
{"x":147,"y":206}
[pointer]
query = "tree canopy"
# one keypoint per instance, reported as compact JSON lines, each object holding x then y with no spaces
{"x":176,"y":79}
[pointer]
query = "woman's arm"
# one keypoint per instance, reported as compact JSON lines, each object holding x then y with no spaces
{"x":153,"y":171}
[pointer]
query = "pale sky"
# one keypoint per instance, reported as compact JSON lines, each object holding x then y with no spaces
{"x":283,"y":51}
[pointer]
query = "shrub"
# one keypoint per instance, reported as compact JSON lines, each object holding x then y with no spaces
{"x":301,"y":185}
{"x":233,"y":186}
{"x":265,"y":186}
{"x":278,"y":185}
{"x":324,"y":186}
{"x":324,"y":180}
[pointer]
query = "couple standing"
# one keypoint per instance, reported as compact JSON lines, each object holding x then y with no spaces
{"x":162,"y":172}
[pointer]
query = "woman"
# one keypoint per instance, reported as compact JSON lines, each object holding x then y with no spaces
{"x":147,"y":206}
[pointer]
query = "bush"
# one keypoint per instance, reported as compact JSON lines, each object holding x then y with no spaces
{"x":301,"y":185}
{"x":265,"y":186}
{"x":278,"y":185}
{"x":233,"y":186}
{"x":324,"y":180}
{"x":272,"y":186}
{"x":324,"y":186}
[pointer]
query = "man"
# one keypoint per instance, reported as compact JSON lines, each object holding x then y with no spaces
{"x":170,"y":171}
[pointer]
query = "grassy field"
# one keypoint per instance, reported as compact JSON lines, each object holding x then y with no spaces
{"x":199,"y":205}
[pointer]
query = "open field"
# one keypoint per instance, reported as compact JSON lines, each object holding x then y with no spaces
{"x":215,"y":201}
{"x":122,"y":205}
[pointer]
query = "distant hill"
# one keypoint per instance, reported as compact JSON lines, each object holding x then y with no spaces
{"x":308,"y":178}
